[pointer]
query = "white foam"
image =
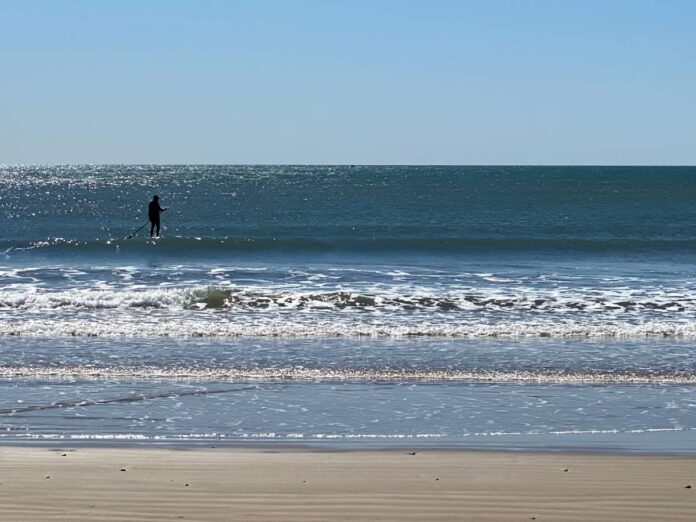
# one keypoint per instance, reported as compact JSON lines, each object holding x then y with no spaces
{"x":277,"y":324}
{"x":342,"y":374}
{"x":322,"y":436}
{"x":101,"y":297}
{"x":101,"y":294}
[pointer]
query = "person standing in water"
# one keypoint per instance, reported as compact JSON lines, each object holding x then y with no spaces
{"x":154,"y":210}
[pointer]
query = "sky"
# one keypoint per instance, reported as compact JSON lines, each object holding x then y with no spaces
{"x":463,"y":82}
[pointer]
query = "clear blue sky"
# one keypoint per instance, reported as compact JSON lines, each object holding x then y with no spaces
{"x":352,"y":81}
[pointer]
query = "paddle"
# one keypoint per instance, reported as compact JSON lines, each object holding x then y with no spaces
{"x":141,"y":227}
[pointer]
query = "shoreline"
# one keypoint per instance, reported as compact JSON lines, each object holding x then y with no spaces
{"x":331,"y":447}
{"x":281,"y":483}
{"x":657,"y":442}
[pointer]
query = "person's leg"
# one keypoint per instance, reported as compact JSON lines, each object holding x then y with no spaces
{"x":158,"y":225}
{"x":152,"y":228}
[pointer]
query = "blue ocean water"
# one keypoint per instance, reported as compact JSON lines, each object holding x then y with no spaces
{"x":528,"y":306}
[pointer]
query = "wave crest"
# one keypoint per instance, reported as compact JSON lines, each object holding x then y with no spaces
{"x":222,"y":298}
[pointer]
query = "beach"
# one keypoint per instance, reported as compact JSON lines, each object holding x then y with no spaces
{"x":280,"y":483}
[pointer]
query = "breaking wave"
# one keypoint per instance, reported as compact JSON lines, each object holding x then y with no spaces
{"x":220,"y":298}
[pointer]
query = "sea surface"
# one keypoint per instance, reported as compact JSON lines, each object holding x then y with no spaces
{"x":507,"y":307}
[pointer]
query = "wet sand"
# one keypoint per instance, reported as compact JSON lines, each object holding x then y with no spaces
{"x":131,"y":483}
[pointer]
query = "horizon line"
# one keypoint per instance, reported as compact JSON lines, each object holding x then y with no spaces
{"x":213,"y":164}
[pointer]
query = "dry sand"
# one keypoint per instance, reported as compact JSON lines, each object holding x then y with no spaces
{"x":87,"y":483}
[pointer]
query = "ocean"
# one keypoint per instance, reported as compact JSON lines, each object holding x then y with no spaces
{"x":506,"y":307}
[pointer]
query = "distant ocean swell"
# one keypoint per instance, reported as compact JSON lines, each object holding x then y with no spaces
{"x":364,"y":241}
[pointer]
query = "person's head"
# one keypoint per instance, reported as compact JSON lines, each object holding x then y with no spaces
{"x":155,"y":198}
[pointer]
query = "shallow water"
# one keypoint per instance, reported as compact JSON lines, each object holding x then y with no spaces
{"x":465,"y":393}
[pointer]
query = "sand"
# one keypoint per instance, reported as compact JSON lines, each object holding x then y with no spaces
{"x":131,"y":483}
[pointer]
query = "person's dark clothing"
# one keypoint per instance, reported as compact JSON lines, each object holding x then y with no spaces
{"x":153,"y":212}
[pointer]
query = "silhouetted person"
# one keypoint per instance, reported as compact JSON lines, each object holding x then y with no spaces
{"x":153,"y":211}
